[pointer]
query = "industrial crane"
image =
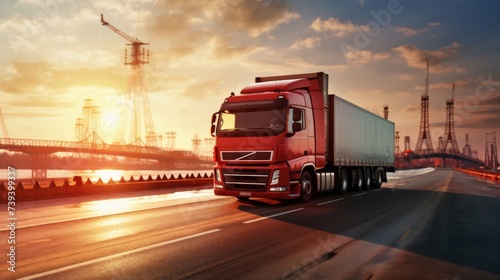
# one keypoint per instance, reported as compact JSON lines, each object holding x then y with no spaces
{"x":138,"y":92}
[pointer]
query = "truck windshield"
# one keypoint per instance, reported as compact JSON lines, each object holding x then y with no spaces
{"x":255,"y":118}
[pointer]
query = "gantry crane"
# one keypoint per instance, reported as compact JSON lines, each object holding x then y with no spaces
{"x":138,"y":92}
{"x":4,"y":127}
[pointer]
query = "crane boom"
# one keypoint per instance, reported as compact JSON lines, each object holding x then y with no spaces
{"x":124,"y":35}
{"x":138,"y":92}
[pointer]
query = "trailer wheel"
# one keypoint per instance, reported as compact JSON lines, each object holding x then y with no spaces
{"x":357,"y":178}
{"x":368,"y":178}
{"x":343,"y":182}
{"x":378,"y":179}
{"x":306,"y":187}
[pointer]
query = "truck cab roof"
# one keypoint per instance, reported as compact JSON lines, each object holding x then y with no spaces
{"x":276,"y":86}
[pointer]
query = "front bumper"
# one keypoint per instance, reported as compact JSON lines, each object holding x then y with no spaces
{"x":271,"y":181}
{"x":272,"y":195}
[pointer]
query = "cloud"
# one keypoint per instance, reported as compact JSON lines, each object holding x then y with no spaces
{"x":405,"y":76}
{"x":448,"y":85}
{"x":216,"y":30}
{"x":336,"y":27}
{"x":307,"y":43}
{"x":478,"y":113}
{"x":412,"y":32}
{"x":360,"y":57}
{"x":218,"y":17}
{"x":416,"y":58}
{"x":202,"y":89}
{"x":40,"y":83}
{"x":256,"y":17}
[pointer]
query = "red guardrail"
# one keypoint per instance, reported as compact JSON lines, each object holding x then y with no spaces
{"x":485,"y":174}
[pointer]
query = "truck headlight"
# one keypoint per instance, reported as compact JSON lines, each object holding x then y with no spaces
{"x":217,"y":175}
{"x":276,"y":177}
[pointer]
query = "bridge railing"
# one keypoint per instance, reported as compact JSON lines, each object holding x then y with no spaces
{"x":70,"y":145}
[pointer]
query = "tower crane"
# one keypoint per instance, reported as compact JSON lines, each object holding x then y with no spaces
{"x":4,"y":127}
{"x":138,"y":92}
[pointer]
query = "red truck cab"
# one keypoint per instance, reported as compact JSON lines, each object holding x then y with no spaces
{"x":267,"y":136}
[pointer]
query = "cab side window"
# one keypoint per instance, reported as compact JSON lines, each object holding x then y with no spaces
{"x":296,"y":120}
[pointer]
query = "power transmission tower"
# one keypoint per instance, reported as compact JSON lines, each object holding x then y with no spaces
{"x":467,"y":150}
{"x":449,"y":128}
{"x":171,"y":135}
{"x":407,"y":144}
{"x":491,"y":152}
{"x":397,"y":150}
{"x":196,"y":144}
{"x":386,"y":112}
{"x":424,"y":136}
{"x":4,"y":127}
{"x":88,"y":127}
{"x":440,"y":144}
{"x":209,"y":146}
{"x":138,"y":93}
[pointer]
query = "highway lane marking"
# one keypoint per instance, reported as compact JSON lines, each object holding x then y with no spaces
{"x":126,"y":253}
{"x":271,"y":216}
{"x":405,"y":235}
{"x":359,"y":194}
{"x":330,"y":201}
{"x":121,"y":211}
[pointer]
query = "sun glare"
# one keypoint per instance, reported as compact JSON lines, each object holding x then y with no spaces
{"x":110,"y":121}
{"x":106,"y":174}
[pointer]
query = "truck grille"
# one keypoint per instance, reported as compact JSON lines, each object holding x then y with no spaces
{"x":247,"y":155}
{"x":245,"y":179}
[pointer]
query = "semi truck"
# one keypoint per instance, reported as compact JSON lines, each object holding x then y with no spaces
{"x":285,"y":137}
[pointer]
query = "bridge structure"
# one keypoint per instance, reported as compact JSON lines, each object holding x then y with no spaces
{"x":461,"y":159}
{"x":41,"y":149}
{"x":424,"y":148}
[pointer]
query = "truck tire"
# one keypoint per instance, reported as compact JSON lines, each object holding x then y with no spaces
{"x":368,"y":179}
{"x":343,"y":181}
{"x":357,"y":179}
{"x":306,"y":186}
{"x":377,"y":183}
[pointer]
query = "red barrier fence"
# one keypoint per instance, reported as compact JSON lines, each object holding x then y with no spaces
{"x":482,"y":173}
{"x":79,"y":187}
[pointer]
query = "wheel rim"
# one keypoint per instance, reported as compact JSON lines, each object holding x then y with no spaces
{"x":360,"y":180}
{"x":344,"y":183}
{"x":307,"y":187}
{"x":368,"y":180}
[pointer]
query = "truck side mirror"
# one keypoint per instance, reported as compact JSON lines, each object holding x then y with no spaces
{"x":214,"y":122}
{"x":296,"y":126}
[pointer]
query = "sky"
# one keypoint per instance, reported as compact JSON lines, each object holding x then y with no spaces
{"x":55,"y":54}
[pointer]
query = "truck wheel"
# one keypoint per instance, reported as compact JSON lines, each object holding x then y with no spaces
{"x":368,"y":178}
{"x":357,"y":179}
{"x":343,"y":182}
{"x":306,"y":187}
{"x":378,"y":179}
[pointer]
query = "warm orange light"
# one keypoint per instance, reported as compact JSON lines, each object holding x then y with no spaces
{"x":106,"y":174}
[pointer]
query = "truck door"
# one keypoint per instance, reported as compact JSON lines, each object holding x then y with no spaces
{"x":298,"y":138}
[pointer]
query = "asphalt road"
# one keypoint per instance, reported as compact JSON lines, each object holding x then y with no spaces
{"x":439,"y":225}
